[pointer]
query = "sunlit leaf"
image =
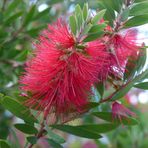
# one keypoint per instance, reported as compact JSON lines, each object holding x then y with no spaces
{"x":136,"y":21}
{"x":98,"y":16}
{"x":139,"y":9}
{"x":85,"y":11}
{"x":93,"y":36}
{"x":73,"y":24}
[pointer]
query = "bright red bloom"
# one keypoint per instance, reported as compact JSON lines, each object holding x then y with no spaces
{"x":120,"y":47}
{"x":60,"y":76}
{"x":97,"y":50}
{"x":119,"y":111}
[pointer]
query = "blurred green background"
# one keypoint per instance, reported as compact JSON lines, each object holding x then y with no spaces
{"x":20,"y":23}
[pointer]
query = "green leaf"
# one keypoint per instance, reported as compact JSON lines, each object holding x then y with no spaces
{"x":79,"y":16}
{"x":135,"y":66}
{"x":125,"y":14}
{"x":17,"y":109}
{"x":4,"y":144}
{"x":112,"y":4}
{"x":93,"y":36}
{"x":32,"y":139}
{"x":136,"y":21}
{"x":99,"y":128}
{"x":52,"y":2}
{"x":41,"y":14}
{"x":87,"y":28}
{"x":143,"y":85}
{"x":137,"y":1}
{"x":54,"y":144}
{"x":91,"y":105}
{"x":123,"y":91}
{"x":85,"y":11}
{"x":26,"y":128}
{"x":13,"y":5}
{"x":78,"y":131}
{"x":98,"y":16}
{"x":73,"y":24}
{"x":107,"y":116}
{"x":54,"y":136}
{"x":33,"y":32}
{"x":139,"y":9}
{"x":29,"y":17}
{"x":116,"y":4}
{"x":12,"y":18}
{"x":131,"y":67}
{"x":100,"y":88}
{"x":22,"y":56}
{"x":109,"y":15}
{"x":97,"y":28}
{"x":142,"y":59}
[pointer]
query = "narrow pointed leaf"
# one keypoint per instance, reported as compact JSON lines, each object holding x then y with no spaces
{"x":143,"y":85}
{"x":98,"y":16}
{"x":4,"y":144}
{"x":93,"y":36}
{"x":12,"y":18}
{"x":97,"y":28}
{"x":99,"y":128}
{"x":13,"y":5}
{"x":17,"y":109}
{"x":78,"y":131}
{"x":123,"y":91}
{"x":85,"y":11}
{"x":139,"y":9}
{"x":41,"y":14}
{"x":73,"y":24}
{"x":54,"y":136}
{"x":29,"y":17}
{"x":32,"y":139}
{"x":100,"y":88}
{"x":26,"y":128}
{"x":79,"y":16}
{"x":136,"y":21}
{"x":54,"y":144}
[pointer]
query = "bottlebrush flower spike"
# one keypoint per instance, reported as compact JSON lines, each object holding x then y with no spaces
{"x":120,"y":47}
{"x":125,"y":46}
{"x":97,"y":50}
{"x":60,"y":76}
{"x":119,"y":111}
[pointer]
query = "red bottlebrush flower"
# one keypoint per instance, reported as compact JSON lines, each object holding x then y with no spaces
{"x":60,"y":76}
{"x":97,"y":50}
{"x":119,"y":111}
{"x":120,"y":47}
{"x":59,"y":35}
